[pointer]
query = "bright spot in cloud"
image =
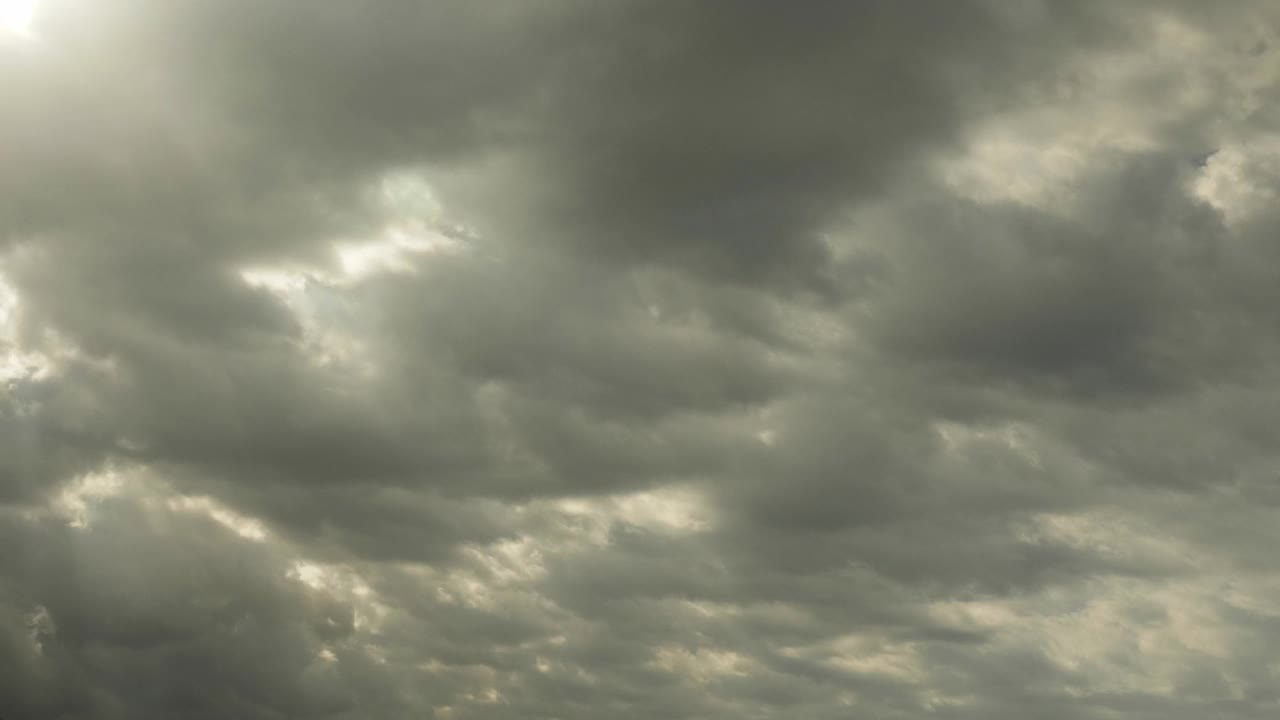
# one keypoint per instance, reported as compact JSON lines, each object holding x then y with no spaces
{"x":1239,"y":180}
{"x":76,"y":500}
{"x":391,"y":254}
{"x":701,"y":665}
{"x":284,"y":283}
{"x":246,"y":527}
{"x":16,"y":15}
{"x":673,"y":510}
{"x":14,"y":363}
{"x":8,"y":305}
{"x":40,"y":627}
{"x":311,"y":575}
{"x":414,"y":226}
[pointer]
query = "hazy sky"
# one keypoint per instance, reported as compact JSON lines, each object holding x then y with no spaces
{"x":721,"y":359}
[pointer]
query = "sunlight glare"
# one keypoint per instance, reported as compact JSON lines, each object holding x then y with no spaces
{"x":16,"y":15}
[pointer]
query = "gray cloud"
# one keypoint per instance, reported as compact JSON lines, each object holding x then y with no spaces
{"x":567,"y":360}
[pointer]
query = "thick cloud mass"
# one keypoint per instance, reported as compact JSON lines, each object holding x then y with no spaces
{"x":565,"y":360}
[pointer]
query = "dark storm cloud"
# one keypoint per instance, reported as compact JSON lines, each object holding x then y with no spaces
{"x":39,"y":447}
{"x":188,"y":618}
{"x":721,"y":139}
{"x":1111,"y":298}
{"x":775,"y":361}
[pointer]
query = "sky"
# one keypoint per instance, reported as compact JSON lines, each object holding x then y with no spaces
{"x":642,"y":360}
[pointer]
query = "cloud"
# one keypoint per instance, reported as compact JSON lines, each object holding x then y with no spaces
{"x":565,"y":359}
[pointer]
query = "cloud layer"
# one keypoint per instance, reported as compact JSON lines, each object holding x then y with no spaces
{"x":639,"y":360}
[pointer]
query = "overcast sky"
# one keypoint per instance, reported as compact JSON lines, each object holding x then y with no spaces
{"x":663,"y":360}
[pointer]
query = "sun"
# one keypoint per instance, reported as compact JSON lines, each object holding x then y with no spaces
{"x":15,"y":15}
